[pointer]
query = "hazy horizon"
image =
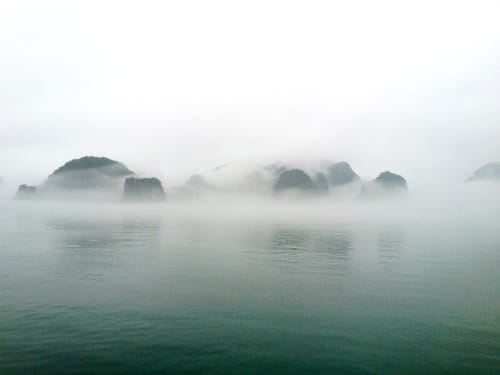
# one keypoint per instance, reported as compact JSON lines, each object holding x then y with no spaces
{"x":252,"y":269}
{"x":173,"y":90}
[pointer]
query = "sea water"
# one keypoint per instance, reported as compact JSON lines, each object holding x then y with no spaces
{"x":114,"y":288}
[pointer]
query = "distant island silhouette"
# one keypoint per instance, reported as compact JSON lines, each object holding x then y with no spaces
{"x":92,"y":176}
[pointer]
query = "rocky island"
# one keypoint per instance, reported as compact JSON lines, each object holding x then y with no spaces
{"x":294,"y":180}
{"x":91,"y":178}
{"x":88,"y":173}
{"x":386,"y":184}
{"x":341,"y":173}
{"x":488,"y":172}
{"x":26,"y":192}
{"x":143,"y":189}
{"x":102,"y":178}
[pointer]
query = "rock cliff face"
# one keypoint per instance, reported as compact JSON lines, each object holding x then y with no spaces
{"x":143,"y":189}
{"x":294,"y":179}
{"x":488,"y":172}
{"x":26,"y":192}
{"x":341,"y":173}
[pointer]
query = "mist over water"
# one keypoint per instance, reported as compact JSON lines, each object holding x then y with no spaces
{"x":250,"y":285}
{"x":265,"y":187}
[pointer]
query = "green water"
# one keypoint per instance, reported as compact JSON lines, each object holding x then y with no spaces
{"x":129,"y":290}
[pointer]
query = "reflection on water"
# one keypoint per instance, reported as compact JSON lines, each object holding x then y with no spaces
{"x":288,"y":246}
{"x":391,"y":243}
{"x":337,"y":244}
{"x":88,"y":249}
{"x":303,"y":250}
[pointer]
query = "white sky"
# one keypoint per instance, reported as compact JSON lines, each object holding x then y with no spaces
{"x":174,"y":88}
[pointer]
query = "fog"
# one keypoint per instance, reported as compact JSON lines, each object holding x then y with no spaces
{"x":473,"y":208}
{"x":174,"y":90}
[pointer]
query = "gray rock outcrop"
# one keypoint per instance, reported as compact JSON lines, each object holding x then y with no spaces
{"x":294,"y":179}
{"x":340,"y":174}
{"x":26,"y":192}
{"x":391,"y":181}
{"x":387,"y":184}
{"x":143,"y":189}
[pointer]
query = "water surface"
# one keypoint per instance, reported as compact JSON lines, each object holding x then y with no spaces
{"x":128,"y":289}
